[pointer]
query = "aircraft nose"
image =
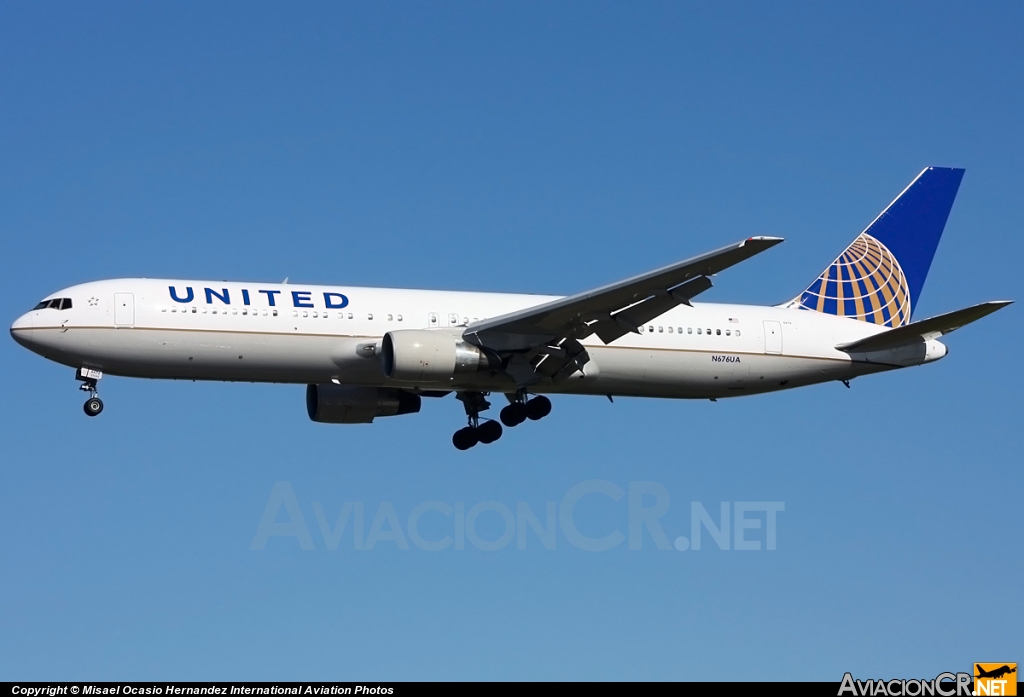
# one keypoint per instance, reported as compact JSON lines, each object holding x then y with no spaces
{"x":21,"y":330}
{"x":23,"y":322}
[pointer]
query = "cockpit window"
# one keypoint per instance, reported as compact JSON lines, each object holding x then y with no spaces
{"x":54,"y":304}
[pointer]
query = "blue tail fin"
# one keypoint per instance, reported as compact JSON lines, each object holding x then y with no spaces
{"x":879,"y":277}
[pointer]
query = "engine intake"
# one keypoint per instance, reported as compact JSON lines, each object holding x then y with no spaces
{"x":338,"y":404}
{"x":419,"y":355}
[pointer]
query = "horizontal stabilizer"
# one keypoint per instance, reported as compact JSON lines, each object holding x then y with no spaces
{"x":924,"y":330}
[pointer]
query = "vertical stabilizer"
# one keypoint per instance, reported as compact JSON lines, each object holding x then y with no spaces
{"x":879,"y":277}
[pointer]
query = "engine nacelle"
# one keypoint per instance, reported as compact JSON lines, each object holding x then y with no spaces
{"x":339,"y":404}
{"x":424,"y":356}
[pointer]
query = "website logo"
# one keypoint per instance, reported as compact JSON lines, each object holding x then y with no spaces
{"x":995,"y":679}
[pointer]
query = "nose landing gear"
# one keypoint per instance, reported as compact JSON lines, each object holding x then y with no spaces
{"x":89,"y":377}
{"x":93,"y":406}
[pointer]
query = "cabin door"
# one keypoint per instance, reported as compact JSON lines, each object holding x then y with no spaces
{"x":772,"y":337}
{"x":124,"y":310}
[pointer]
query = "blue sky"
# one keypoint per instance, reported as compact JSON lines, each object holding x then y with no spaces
{"x":514,"y":147}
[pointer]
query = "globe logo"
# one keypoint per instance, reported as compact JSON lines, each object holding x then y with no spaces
{"x":865,"y":283}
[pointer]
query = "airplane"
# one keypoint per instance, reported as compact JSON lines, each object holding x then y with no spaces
{"x":365,"y":353}
{"x":995,"y":673}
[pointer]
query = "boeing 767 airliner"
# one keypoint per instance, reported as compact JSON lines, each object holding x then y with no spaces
{"x":370,"y":352}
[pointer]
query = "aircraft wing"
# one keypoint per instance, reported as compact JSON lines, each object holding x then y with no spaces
{"x":553,"y":329}
{"x":924,"y":330}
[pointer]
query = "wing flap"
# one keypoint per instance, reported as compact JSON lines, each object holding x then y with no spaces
{"x":631,"y":318}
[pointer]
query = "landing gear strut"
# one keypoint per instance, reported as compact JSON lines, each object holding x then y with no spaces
{"x":94,"y":405}
{"x":485,"y":432}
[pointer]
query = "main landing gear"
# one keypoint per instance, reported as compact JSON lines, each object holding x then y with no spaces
{"x":94,"y":405}
{"x":519,"y":410}
{"x":522,"y":409}
{"x":476,"y":432}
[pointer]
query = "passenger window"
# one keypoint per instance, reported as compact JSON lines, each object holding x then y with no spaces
{"x":709,"y":332}
{"x":718,"y":332}
{"x":399,"y":318}
{"x":193,"y":310}
{"x":390,"y":318}
{"x":670,"y":330}
{"x":650,"y":328}
{"x":698,"y":330}
{"x":661,"y":330}
{"x":305,"y":313}
{"x":737,"y":332}
{"x":275,"y":313}
{"x":350,"y":315}
{"x":314,"y":313}
{"x":727,"y":332}
{"x":369,"y":316}
{"x":689,"y":330}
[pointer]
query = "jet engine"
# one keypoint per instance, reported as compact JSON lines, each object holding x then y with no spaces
{"x":421,"y":356}
{"x":339,"y":404}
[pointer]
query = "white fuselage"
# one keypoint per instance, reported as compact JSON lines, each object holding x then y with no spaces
{"x":319,"y":334}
